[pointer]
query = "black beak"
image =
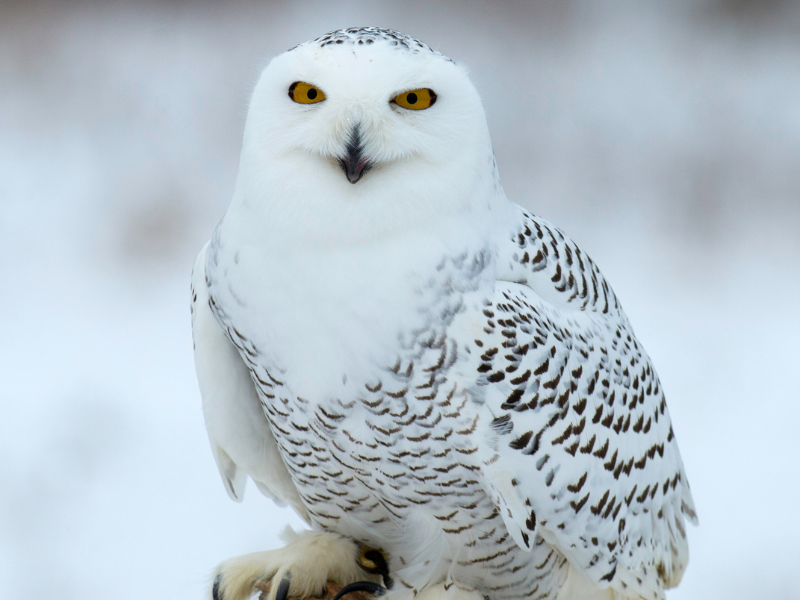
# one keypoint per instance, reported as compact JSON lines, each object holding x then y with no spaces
{"x":354,"y":163}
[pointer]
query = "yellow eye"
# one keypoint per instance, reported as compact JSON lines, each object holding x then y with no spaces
{"x":305,"y":93}
{"x":416,"y":99}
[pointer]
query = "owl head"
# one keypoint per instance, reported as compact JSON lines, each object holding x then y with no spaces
{"x":362,"y":132}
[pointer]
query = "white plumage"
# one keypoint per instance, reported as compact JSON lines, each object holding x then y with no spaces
{"x":413,"y":362}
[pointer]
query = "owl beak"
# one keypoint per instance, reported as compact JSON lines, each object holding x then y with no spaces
{"x":354,"y":163}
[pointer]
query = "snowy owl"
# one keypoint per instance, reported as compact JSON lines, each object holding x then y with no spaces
{"x":441,"y":383}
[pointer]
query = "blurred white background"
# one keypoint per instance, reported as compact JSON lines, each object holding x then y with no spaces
{"x":663,"y":136}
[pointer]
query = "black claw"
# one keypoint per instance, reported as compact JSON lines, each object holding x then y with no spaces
{"x":215,"y":589}
{"x":283,"y":588}
{"x":373,"y":561}
{"x":361,"y":586}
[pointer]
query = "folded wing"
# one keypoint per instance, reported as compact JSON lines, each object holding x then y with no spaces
{"x":238,"y":430}
{"x":586,"y":456}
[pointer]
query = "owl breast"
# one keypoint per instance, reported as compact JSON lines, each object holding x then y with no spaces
{"x":392,"y":456}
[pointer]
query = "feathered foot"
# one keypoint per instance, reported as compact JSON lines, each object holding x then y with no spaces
{"x":363,"y":590}
{"x":302,"y":569}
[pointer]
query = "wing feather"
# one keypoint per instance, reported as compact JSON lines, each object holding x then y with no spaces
{"x":240,"y":436}
{"x":587,"y":441}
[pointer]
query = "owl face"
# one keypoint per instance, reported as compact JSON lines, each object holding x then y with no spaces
{"x":374,"y":120}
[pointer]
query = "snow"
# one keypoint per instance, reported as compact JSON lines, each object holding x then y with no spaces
{"x":665,"y":141}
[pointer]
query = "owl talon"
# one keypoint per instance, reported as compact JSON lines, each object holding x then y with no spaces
{"x":215,"y":590}
{"x":374,"y":561}
{"x":361,"y":586}
{"x":308,"y":563}
{"x":283,"y":587}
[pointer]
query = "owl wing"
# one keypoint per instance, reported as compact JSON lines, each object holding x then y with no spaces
{"x":240,"y":437}
{"x":585,"y":453}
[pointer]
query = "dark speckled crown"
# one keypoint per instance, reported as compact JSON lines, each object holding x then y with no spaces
{"x":365,"y":36}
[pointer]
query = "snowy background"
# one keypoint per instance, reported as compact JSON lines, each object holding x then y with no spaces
{"x":664,"y":137}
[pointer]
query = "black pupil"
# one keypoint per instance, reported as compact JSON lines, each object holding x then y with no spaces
{"x":412,"y":98}
{"x":312,"y":93}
